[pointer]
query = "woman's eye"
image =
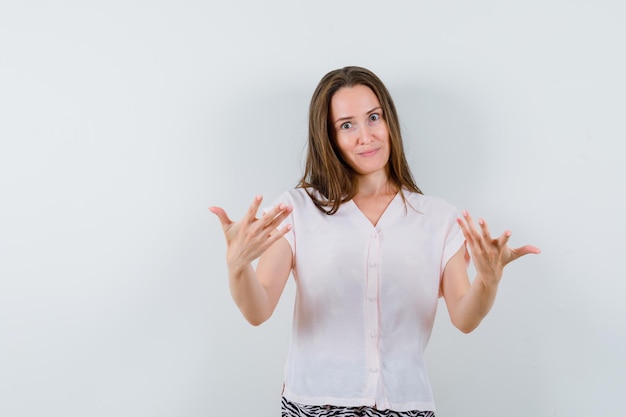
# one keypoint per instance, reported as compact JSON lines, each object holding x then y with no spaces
{"x":374,"y":117}
{"x":346,"y":125}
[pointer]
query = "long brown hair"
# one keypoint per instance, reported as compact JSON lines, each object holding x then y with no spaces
{"x":325,"y":170}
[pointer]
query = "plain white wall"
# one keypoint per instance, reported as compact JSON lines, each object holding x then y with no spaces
{"x":121,"y":122}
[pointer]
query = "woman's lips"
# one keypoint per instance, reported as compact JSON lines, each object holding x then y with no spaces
{"x":369,"y":152}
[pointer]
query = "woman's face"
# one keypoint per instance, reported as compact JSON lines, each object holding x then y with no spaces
{"x":360,"y":129}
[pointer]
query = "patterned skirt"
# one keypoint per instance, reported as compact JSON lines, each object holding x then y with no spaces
{"x":291,"y":409}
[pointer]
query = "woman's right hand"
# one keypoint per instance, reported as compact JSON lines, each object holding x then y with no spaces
{"x":247,"y":239}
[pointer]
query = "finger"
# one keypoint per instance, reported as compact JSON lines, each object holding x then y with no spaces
{"x":270,"y":227}
{"x":254,"y":208}
{"x":525,"y":250}
{"x":503,"y":239}
{"x":266,"y":227}
{"x":277,"y":214}
{"x":474,"y":235}
{"x":278,"y":233}
{"x":221,"y":215}
{"x":465,"y":230}
{"x":484,"y":229}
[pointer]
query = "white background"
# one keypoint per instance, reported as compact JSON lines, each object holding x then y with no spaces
{"x":122,"y":121}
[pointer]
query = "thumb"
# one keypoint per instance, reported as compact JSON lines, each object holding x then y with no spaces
{"x":524,"y":250}
{"x":221,"y":215}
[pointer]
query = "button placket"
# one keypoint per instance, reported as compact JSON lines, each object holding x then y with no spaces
{"x":372,"y":319}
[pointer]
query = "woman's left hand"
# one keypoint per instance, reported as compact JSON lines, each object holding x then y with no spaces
{"x":490,"y":255}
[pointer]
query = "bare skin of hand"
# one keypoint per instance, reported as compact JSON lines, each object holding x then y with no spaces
{"x":490,"y":255}
{"x":248,"y":238}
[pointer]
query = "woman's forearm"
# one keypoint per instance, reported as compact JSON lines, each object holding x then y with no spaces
{"x":475,"y":303}
{"x":249,"y":294}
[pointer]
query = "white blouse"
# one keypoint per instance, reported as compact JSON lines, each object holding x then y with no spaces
{"x":366,"y":298}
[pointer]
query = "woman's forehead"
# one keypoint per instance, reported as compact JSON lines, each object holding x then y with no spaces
{"x":353,"y":101}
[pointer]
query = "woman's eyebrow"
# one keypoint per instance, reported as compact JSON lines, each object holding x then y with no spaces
{"x":352,"y":117}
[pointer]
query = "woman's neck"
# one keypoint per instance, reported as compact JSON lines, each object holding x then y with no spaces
{"x":375,"y":186}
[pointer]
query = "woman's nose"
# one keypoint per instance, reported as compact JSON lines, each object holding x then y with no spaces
{"x":365,"y":134}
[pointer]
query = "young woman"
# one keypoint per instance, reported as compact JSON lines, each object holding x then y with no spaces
{"x":370,"y":255}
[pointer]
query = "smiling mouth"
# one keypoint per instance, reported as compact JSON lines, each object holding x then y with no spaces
{"x":369,"y":152}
